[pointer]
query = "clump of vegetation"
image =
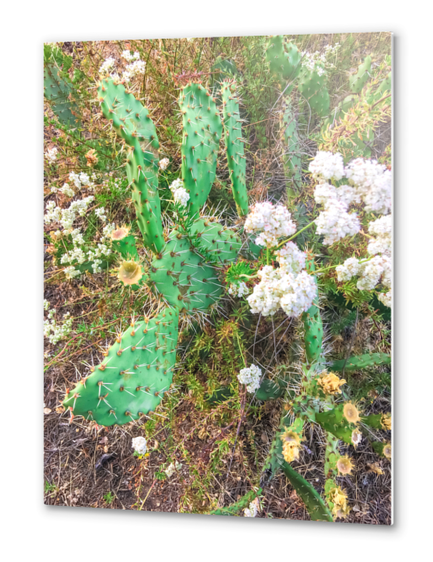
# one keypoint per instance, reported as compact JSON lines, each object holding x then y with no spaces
{"x":221,"y":258}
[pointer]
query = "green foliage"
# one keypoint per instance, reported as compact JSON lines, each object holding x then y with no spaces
{"x":359,"y":362}
{"x":202,"y":131}
{"x":235,"y":146}
{"x":313,"y":327}
{"x":235,"y":508}
{"x":293,"y":160}
{"x":310,"y":496}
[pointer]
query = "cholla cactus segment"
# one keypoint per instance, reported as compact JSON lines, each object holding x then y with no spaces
{"x":250,"y":376}
{"x":330,"y":383}
{"x":234,"y":146}
{"x":327,"y":166}
{"x":139,"y":444}
{"x":272,"y":222}
{"x":134,"y":375}
{"x":202,"y":131}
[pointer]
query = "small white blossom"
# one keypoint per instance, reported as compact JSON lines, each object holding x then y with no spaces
{"x":238,"y":290}
{"x":271,"y":221}
{"x":53,"y":331}
{"x":348,"y":269}
{"x":51,"y":155}
{"x":382,"y":229}
{"x":172,"y":467}
{"x":373,"y":183}
{"x":163,"y":164}
{"x":336,"y":223}
{"x":127,"y":55}
{"x":327,"y":166}
{"x":139,"y":444}
{"x":100,"y":213}
{"x":385,"y":298}
{"x":180,"y":194}
{"x":106,"y":66}
{"x":134,"y":69}
{"x":250,"y":376}
{"x":251,"y":511}
{"x":71,"y":272}
{"x":291,"y":258}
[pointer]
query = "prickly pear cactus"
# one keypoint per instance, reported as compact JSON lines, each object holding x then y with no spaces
{"x":313,"y":327}
{"x":293,"y":159}
{"x":358,"y":362}
{"x":135,"y":373}
{"x":358,"y":80}
{"x":284,"y":60}
{"x":312,"y":87}
{"x":235,"y":146}
{"x":183,"y":274}
{"x":202,"y":131}
{"x":58,"y":92}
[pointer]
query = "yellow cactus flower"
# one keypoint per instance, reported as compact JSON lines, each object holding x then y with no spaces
{"x":130,"y":273}
{"x":120,"y":233}
{"x":351,"y":413}
{"x":291,"y":442}
{"x":344,"y":465}
{"x":386,"y":421}
{"x":330,"y":383}
{"x":387,"y":450}
{"x":338,"y":497}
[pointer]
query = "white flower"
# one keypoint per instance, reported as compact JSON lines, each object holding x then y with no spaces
{"x":382,"y":228}
{"x":180,"y":194}
{"x":139,"y":444}
{"x":53,"y":331}
{"x":51,"y":155}
{"x":336,"y":223}
{"x":106,"y":66}
{"x":371,"y":273}
{"x":327,"y":166}
{"x":291,"y":258}
{"x":271,"y":221}
{"x":373,"y":183}
{"x":385,"y":298}
{"x":100,"y":213}
{"x":348,"y":269}
{"x":238,"y":290}
{"x":300,"y":293}
{"x":171,"y":468}
{"x":251,"y":511}
{"x":71,"y":272}
{"x":134,"y":69}
{"x":250,"y":376}
{"x":127,"y":55}
{"x":163,"y":164}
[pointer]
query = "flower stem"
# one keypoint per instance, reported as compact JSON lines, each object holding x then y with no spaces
{"x":240,"y":349}
{"x":296,"y":234}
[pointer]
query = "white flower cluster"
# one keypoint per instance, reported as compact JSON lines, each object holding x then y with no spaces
{"x":382,"y":229}
{"x":136,"y":68}
{"x":291,"y":258}
{"x":107,"y":65}
{"x":51,"y":155}
{"x":79,"y":180}
{"x":373,"y":183}
{"x":251,"y":377}
{"x":319,"y":61}
{"x":271,"y":221}
{"x":172,"y":467}
{"x":327,"y":166}
{"x":128,"y":56}
{"x":139,"y":444}
{"x":180,"y":194}
{"x":163,"y":164}
{"x":371,"y":272}
{"x":67,"y":216}
{"x":53,"y":331}
{"x":280,"y":288}
{"x":251,"y":511}
{"x":335,"y":222}
{"x":238,"y":290}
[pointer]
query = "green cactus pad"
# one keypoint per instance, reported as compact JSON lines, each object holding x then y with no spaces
{"x":222,"y":243}
{"x":335,"y":422}
{"x":284,"y":60}
{"x":58,"y":91}
{"x":235,"y":508}
{"x":293,"y":159}
{"x":131,"y":120}
{"x":132,"y":378}
{"x":314,"y":503}
{"x":312,"y":87}
{"x":358,"y":362}
{"x":358,"y":80}
{"x":270,"y":390}
{"x":202,"y":131}
{"x":180,"y":275}
{"x":235,"y":146}
{"x":313,"y":326}
{"x":126,"y":247}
